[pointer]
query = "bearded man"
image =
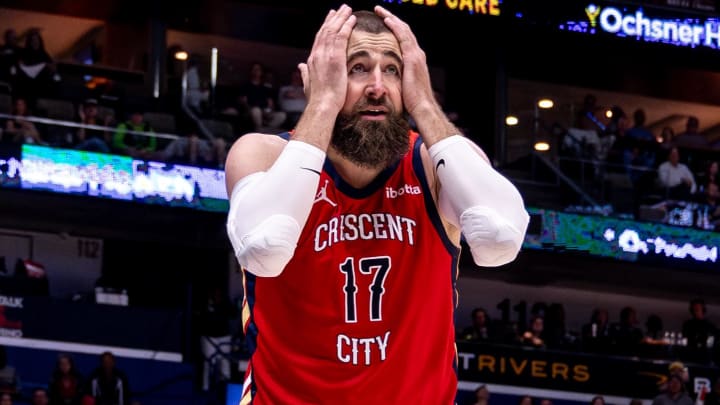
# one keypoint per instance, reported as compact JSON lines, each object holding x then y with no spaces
{"x":349,"y":233}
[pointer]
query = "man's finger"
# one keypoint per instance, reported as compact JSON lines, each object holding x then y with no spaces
{"x":400,"y":29}
{"x":382,"y":12}
{"x":346,"y":28}
{"x":336,"y":22}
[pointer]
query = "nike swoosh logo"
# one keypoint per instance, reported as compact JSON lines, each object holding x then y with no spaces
{"x":439,"y":163}
{"x":312,"y":170}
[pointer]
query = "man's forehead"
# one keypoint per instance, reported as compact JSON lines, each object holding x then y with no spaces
{"x":365,"y":41}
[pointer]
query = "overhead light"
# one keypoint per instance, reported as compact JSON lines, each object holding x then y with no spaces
{"x":608,"y":113}
{"x":181,"y":55}
{"x":511,"y":120}
{"x":545,"y":103}
{"x":542,"y":146}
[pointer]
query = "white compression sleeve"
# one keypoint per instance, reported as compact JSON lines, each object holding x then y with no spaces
{"x":485,"y":205}
{"x":269,"y":209}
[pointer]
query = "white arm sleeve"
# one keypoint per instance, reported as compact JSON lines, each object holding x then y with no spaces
{"x":269,"y":209}
{"x":485,"y":205}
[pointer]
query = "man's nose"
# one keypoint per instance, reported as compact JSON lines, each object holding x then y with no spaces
{"x":376,"y":85}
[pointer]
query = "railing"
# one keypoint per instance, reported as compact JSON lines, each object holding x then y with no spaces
{"x":70,"y":124}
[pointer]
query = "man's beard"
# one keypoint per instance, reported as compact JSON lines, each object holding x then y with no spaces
{"x":371,"y":143}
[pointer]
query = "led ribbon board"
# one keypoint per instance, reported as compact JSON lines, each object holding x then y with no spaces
{"x":116,"y":177}
{"x":623,"y":239}
{"x":481,"y":7}
{"x":643,"y":25}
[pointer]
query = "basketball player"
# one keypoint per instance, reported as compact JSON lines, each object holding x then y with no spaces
{"x":348,"y":234}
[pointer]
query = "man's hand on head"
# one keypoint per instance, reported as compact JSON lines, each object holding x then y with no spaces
{"x":417,"y":89}
{"x":325,"y":73}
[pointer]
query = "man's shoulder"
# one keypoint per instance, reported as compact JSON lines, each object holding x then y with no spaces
{"x":263,"y":141}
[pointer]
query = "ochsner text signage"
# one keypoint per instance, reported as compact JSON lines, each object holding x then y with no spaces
{"x":642,"y":25}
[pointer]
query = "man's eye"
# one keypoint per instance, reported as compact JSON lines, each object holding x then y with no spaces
{"x":357,"y":68}
{"x":393,"y":70}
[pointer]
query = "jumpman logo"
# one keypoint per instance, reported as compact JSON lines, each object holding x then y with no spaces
{"x":322,"y":195}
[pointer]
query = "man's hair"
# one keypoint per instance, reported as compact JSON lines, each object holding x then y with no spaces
{"x":369,"y":22}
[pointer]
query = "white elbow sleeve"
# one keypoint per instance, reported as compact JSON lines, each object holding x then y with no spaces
{"x":492,"y":240}
{"x":485,"y":205}
{"x":263,"y":227}
{"x":267,"y":249}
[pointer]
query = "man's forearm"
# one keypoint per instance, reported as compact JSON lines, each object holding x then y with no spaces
{"x":316,"y":125}
{"x":433,"y":124}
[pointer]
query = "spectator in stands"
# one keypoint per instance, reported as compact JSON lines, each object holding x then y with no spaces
{"x":596,"y":333}
{"x":698,"y":328}
{"x":39,"y":397}
{"x":9,"y":53}
{"x":9,"y":379}
{"x":675,"y":394}
{"x":709,"y":175}
{"x":482,"y":395}
{"x":268,"y":80}
{"x":533,"y":336}
{"x":6,"y":399}
{"x":526,"y":400}
{"x":653,"y":330}
{"x":640,"y":147}
{"x":679,"y":369}
{"x":711,"y":172}
{"x":258,"y":99}
{"x":636,"y":401}
{"x":676,"y":178}
{"x":108,"y":384}
{"x":639,"y":131}
{"x":546,"y":401}
{"x":480,"y":329}
{"x":712,"y":397}
{"x":192,"y":150}
{"x":625,"y":334}
{"x":583,"y":139}
{"x":292,"y":100}
{"x":710,"y":209}
{"x":197,"y":94}
{"x":216,"y":334}
{"x":597,"y":400}
{"x":18,"y":130}
{"x":66,"y":385}
{"x":93,"y":140}
{"x":587,"y":116}
{"x":666,"y":139}
{"x":140,"y":146}
{"x":555,"y":333}
{"x":691,"y":137}
{"x":35,"y":72}
{"x":613,"y":140}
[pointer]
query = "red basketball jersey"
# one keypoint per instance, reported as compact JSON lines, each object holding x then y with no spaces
{"x":363,"y":313}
